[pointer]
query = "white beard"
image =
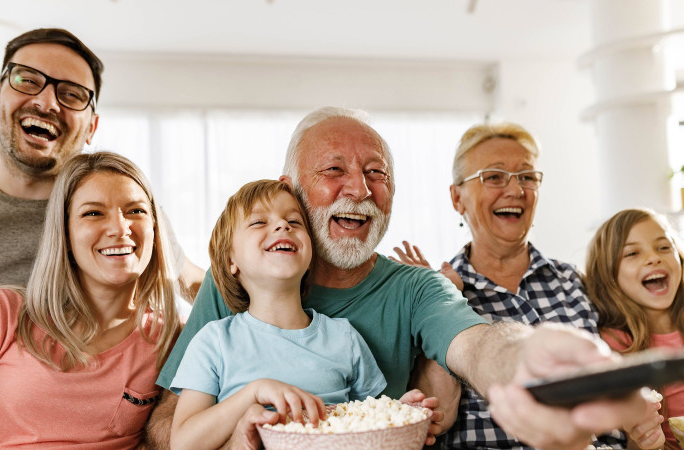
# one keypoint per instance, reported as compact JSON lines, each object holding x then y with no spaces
{"x":347,"y":252}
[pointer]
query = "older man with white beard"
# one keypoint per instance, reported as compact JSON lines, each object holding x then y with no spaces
{"x":342,"y":169}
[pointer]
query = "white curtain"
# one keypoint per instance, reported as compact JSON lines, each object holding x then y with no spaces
{"x":196,"y":159}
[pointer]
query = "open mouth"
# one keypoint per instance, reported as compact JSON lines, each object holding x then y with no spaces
{"x":350,"y":221}
{"x":282,"y":247}
{"x":509,"y":212}
{"x":655,"y":282}
{"x":39,"y":129}
{"x":119,"y":251}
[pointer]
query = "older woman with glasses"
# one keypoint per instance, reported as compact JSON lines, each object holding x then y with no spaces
{"x":503,"y":276}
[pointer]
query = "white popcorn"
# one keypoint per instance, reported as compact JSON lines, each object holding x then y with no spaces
{"x":370,"y":414}
{"x":653,"y":396}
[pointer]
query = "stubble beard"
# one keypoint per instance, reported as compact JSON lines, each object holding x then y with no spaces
{"x":26,"y":162}
{"x":347,"y":252}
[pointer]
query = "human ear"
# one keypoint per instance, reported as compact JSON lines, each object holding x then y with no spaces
{"x":286,"y":179}
{"x":233,"y":268}
{"x":456,"y":199}
{"x":92,"y":128}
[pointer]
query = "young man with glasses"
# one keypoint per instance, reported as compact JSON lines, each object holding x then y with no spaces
{"x":49,"y":86}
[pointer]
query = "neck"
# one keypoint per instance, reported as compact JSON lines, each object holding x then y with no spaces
{"x":280,"y":309}
{"x":18,"y":184}
{"x":660,"y":322}
{"x":327,"y":275}
{"x":111,"y":306}
{"x":505,"y":265}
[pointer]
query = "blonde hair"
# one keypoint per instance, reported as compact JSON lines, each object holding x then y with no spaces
{"x":220,"y":244}
{"x":55,"y":301}
{"x":616,"y":309}
{"x":478,"y":134}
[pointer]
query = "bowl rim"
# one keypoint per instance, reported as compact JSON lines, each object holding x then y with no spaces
{"x":346,"y":433}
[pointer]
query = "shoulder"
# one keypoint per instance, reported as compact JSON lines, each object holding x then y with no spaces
{"x":10,"y":302}
{"x":559,"y":269}
{"x":399,"y":273}
{"x":616,"y":339}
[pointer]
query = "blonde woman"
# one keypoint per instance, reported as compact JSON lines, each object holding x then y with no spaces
{"x":81,"y":348}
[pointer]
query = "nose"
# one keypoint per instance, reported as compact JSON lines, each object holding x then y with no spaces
{"x":355,"y":186}
{"x":47,"y":99}
{"x":118,"y":226}
{"x":513,"y":187}
{"x":284,"y":225}
{"x":652,"y":257}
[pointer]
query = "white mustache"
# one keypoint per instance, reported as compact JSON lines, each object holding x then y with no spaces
{"x":346,"y":205}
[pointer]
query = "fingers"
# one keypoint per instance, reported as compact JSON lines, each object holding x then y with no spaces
{"x":412,"y":397}
{"x":452,"y":275}
{"x":410,"y":255}
{"x":515,"y":410}
{"x":315,"y":408}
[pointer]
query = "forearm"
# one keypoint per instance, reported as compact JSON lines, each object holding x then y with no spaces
{"x":209,"y":426}
{"x":431,"y":379}
{"x":158,"y":429}
{"x":484,"y":355}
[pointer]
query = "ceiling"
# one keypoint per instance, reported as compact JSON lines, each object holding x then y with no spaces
{"x":403,"y":29}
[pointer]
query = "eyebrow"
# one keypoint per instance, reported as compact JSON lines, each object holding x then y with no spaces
{"x":102,"y":205}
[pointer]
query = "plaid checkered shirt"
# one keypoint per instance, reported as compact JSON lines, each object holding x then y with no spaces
{"x":549,"y":290}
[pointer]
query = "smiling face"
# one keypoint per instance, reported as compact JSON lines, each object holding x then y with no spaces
{"x":37,"y":134}
{"x":344,"y":179}
{"x":497,"y":217}
{"x":650,"y":271}
{"x":271,"y":244}
{"x":111,"y":231}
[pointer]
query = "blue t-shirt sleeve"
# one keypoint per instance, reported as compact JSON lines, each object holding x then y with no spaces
{"x":208,"y":306}
{"x":201,"y":365}
{"x":367,"y":377}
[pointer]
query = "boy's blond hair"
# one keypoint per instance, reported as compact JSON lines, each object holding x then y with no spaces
{"x":221,"y":242}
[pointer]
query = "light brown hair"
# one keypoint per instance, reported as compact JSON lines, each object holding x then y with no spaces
{"x":221,"y":242}
{"x":616,"y":310}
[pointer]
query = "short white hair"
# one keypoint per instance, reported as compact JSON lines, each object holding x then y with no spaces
{"x":321,"y":115}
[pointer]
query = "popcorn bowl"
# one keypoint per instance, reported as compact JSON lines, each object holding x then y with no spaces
{"x":405,"y":437}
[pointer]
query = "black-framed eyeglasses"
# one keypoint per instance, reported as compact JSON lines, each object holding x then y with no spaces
{"x":30,"y":81}
{"x":498,"y":178}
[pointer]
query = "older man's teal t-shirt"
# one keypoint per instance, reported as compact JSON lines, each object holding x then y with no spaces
{"x":399,"y":310}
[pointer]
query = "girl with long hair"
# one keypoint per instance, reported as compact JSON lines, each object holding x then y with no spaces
{"x":634,"y":277}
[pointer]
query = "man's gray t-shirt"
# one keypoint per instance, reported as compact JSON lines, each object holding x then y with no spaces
{"x":21,"y":227}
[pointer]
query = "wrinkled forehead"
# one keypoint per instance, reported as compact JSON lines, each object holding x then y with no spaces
{"x":343,"y":137}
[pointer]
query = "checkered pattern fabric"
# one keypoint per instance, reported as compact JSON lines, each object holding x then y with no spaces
{"x":549,"y":291}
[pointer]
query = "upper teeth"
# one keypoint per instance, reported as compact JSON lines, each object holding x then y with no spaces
{"x":509,"y":210}
{"x":281,"y":246}
{"x":116,"y":251}
{"x":351,"y":216}
{"x":31,"y":122}
{"x":654,"y":276}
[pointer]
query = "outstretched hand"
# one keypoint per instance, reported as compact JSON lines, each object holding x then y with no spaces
{"x":411,"y":256}
{"x":550,"y":350}
{"x":415,"y":397}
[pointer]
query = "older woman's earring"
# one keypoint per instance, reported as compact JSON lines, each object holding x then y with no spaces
{"x":461,"y":222}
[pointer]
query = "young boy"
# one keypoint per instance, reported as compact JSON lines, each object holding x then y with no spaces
{"x":272,"y":352}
